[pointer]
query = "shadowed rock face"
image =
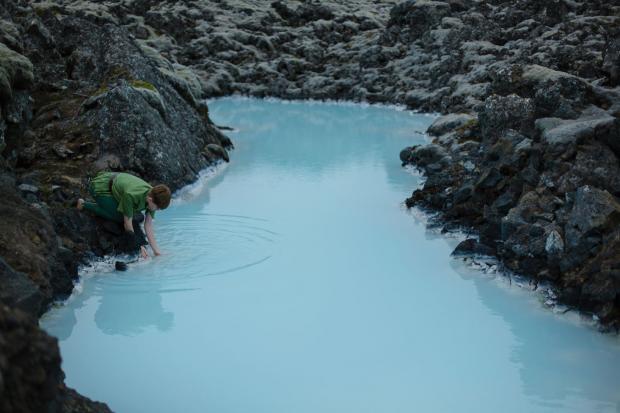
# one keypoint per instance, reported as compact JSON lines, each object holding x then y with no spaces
{"x":93,"y":100}
{"x":32,"y":380}
{"x":544,"y":197}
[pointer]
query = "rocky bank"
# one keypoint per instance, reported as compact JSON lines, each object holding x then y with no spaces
{"x":527,"y":154}
{"x":77,"y":95}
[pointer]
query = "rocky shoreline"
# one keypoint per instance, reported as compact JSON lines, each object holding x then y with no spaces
{"x":78,"y":95}
{"x":527,"y":154}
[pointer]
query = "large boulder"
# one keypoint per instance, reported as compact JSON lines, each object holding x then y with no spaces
{"x":500,"y":113}
{"x":449,"y":122}
{"x":418,"y":16}
{"x":136,"y":113}
{"x":594,"y":212}
{"x":305,"y":13}
{"x":15,"y":72}
{"x":555,"y":131}
{"x":19,"y":291}
{"x":611,"y":63}
{"x":424,"y":155}
{"x":30,"y":246}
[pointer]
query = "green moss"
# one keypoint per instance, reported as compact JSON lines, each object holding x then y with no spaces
{"x":470,"y":124}
{"x":40,"y":9}
{"x":120,"y":72}
{"x":141,"y":84}
{"x":117,"y":72}
{"x":15,"y":70}
{"x":102,"y":89}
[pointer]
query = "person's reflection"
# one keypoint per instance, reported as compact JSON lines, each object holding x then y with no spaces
{"x":61,"y":321}
{"x":132,"y":310}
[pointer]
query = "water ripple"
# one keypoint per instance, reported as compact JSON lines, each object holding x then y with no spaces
{"x":197,"y":246}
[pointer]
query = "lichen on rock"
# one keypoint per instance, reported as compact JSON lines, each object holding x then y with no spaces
{"x":16,"y":71}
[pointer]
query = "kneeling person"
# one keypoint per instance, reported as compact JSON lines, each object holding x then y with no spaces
{"x":119,"y":195}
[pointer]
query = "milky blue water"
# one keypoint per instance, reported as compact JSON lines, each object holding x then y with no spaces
{"x":296,"y":281}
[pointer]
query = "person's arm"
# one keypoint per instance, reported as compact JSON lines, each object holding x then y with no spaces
{"x":150,"y":234}
{"x":128,"y":224}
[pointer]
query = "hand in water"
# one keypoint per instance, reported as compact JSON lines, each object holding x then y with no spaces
{"x":143,"y":252}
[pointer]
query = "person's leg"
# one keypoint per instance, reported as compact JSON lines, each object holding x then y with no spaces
{"x":105,"y":207}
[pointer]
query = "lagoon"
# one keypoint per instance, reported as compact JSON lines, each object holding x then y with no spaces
{"x":295,"y":280}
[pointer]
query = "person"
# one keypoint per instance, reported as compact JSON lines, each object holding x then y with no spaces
{"x":119,"y":195}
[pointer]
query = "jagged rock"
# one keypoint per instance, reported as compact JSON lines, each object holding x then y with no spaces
{"x":472,"y":246}
{"x":450,"y":122}
{"x":594,"y":210}
{"x":506,"y":112}
{"x":28,"y":188}
{"x":15,"y":72}
{"x":28,"y":244}
{"x":214,"y":151}
{"x":418,"y":15}
{"x":554,"y":245}
{"x":593,"y":164}
{"x":18,"y":291}
{"x":611,"y":63}
{"x":424,"y":155}
{"x":30,"y":376}
{"x":10,"y":36}
{"x":489,"y":179}
{"x":555,"y":131}
{"x":305,"y":13}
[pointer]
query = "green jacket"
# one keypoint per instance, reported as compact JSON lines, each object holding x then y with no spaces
{"x":129,"y":191}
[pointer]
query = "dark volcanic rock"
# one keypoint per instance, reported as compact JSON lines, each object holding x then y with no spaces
{"x":29,"y":244}
{"x":128,"y":93}
{"x":19,"y":291}
{"x":506,"y":112}
{"x":31,"y":378}
{"x":472,"y":246}
{"x":303,"y":14}
{"x":594,"y":212}
{"x":417,"y":17}
{"x":611,"y":62}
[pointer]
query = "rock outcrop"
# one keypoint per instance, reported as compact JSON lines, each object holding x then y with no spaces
{"x":32,"y":380}
{"x":536,"y":168}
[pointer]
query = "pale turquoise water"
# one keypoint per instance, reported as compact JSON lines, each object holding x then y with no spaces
{"x":297,"y":282}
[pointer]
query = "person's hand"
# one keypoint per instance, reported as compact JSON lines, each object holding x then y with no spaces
{"x":144,"y":253}
{"x":157,"y":253}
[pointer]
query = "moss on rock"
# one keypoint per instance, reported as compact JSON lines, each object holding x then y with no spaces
{"x":141,"y":84}
{"x":15,"y":71}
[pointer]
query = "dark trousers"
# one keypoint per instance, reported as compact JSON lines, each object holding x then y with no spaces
{"x":104,"y":206}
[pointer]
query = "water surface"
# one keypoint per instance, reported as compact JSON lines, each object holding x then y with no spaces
{"x":296,"y":281}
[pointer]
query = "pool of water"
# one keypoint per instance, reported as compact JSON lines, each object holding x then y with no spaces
{"x":295,"y":280}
